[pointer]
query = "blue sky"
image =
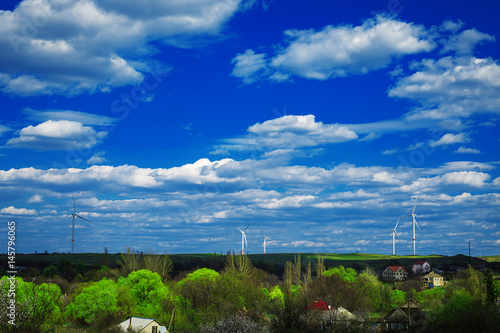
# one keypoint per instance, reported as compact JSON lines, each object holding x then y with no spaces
{"x":175,"y":122}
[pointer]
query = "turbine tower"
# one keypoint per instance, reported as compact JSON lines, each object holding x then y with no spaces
{"x":394,"y":234}
{"x":265,"y":238}
{"x":414,"y":222}
{"x":73,"y":230}
{"x":243,"y":239}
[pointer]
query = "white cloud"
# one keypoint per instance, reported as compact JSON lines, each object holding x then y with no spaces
{"x":97,"y":158}
{"x":290,"y":132}
{"x":82,"y":117}
{"x":451,"y":87}
{"x":11,"y":210}
{"x":343,"y":50}
{"x":249,"y":66}
{"x":57,"y":135}
{"x":36,"y":198}
{"x":450,"y":139}
{"x":465,"y":42}
{"x":465,"y":150}
{"x":74,"y":47}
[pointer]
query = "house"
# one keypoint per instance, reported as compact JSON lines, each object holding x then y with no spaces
{"x":319,"y":305}
{"x":432,"y":280}
{"x":142,"y":325}
{"x":421,"y":267}
{"x":394,"y":273}
{"x":400,"y":317}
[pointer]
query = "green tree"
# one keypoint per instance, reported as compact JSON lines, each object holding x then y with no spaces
{"x":50,"y":271}
{"x":95,"y":302}
{"x":35,"y":305}
{"x":492,"y":287}
{"x":346,"y":274}
{"x":148,"y":292}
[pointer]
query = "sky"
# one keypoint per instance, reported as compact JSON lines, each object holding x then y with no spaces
{"x":316,"y":123}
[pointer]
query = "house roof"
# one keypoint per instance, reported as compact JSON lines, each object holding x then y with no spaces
{"x":395,"y":268}
{"x":412,"y":304}
{"x":396,"y":315}
{"x":431,"y":275}
{"x":137,"y":323}
{"x":420,"y":262}
{"x":319,"y":305}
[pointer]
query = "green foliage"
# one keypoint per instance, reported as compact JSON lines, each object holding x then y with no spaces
{"x":346,"y":274}
{"x":95,"y":302}
{"x":50,"y":271}
{"x":201,"y":274}
{"x":147,"y":290}
{"x":35,"y":305}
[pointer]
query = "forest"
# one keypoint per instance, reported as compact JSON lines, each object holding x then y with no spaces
{"x":233,"y":295}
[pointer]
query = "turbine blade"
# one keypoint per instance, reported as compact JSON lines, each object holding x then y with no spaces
{"x":247,"y":227}
{"x":415,"y":205}
{"x":405,"y":216}
{"x":399,"y":240}
{"x":396,"y":225}
{"x":240,"y":230}
{"x":83,"y":218}
{"x":245,"y":237}
{"x":74,"y":206}
{"x":416,"y":223}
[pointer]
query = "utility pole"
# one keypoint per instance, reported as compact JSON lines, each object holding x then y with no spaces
{"x":469,"y":252}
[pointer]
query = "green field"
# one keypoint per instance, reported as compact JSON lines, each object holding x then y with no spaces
{"x":272,"y":262}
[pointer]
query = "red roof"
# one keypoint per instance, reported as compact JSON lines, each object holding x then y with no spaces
{"x":395,"y":268}
{"x":319,"y":305}
{"x":420,"y":262}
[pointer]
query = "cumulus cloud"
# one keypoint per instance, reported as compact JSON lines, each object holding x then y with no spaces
{"x":73,"y":47}
{"x":57,"y":135}
{"x":290,"y":132}
{"x":249,"y":66}
{"x":36,"y":198}
{"x":466,"y":41}
{"x":337,"y":51}
{"x":451,"y":87}
{"x":11,"y":210}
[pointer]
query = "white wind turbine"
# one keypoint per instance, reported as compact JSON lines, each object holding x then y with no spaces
{"x":265,"y":238}
{"x":394,"y":234}
{"x":243,"y":239}
{"x":73,"y":230}
{"x":414,"y":222}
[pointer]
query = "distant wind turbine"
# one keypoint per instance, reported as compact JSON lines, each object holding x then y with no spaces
{"x":414,"y":222}
{"x":265,"y":238}
{"x":73,"y":230}
{"x":243,"y":239}
{"x":394,"y":234}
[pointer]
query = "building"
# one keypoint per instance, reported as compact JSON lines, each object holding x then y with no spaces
{"x":142,"y":325}
{"x":399,"y":318}
{"x":394,"y":273}
{"x":421,"y":267}
{"x":432,"y":280}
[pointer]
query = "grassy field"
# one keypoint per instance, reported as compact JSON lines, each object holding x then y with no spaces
{"x":491,"y":258}
{"x":272,"y":262}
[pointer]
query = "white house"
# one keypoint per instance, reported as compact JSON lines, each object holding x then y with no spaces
{"x":394,"y":273}
{"x":432,"y":280}
{"x":421,"y":267}
{"x":142,"y":325}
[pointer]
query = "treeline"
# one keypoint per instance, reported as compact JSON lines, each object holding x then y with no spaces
{"x":239,"y":298}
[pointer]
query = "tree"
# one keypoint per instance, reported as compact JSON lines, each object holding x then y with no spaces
{"x":158,"y":263}
{"x":492,"y":287}
{"x":148,"y":292}
{"x":95,"y":302}
{"x":34,"y":305}
{"x":346,"y":274}
{"x":50,"y":271}
{"x":234,"y":323}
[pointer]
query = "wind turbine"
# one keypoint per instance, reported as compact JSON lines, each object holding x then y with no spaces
{"x":243,"y":239}
{"x":73,"y":230}
{"x":414,"y":221}
{"x":265,"y":238}
{"x":394,"y":234}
